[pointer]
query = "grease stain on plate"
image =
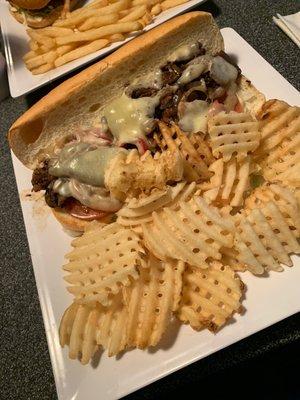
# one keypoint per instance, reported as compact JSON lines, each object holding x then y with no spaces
{"x":40,"y":210}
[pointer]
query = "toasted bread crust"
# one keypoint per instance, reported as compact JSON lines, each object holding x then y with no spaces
{"x":37,"y":128}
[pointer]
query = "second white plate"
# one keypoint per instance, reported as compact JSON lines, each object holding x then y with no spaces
{"x":15,"y":39}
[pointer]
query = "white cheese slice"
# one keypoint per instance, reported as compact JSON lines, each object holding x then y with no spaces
{"x":194,"y":116}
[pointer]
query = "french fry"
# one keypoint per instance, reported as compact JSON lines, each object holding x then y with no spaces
{"x":99,"y":33}
{"x":65,"y":49}
{"x":81,"y":51}
{"x":146,"y":19}
{"x":41,"y":59}
{"x":33,"y":45}
{"x":96,"y":22}
{"x":165,"y":5}
{"x":49,"y":42}
{"x":52,"y":31}
{"x":42,"y":69}
{"x":117,"y":37}
{"x":29,"y":55}
{"x":146,"y":2}
{"x":123,"y":13}
{"x":155,"y":10}
{"x":135,"y":14}
{"x":76,"y":20}
{"x":95,"y":5}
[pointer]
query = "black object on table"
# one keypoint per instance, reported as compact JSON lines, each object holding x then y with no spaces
{"x":263,"y":366}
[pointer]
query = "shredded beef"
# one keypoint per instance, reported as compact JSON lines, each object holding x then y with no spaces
{"x":171,"y":72}
{"x":53,"y":199}
{"x":196,"y":95}
{"x":41,"y":178}
{"x":143,"y":92}
{"x":209,"y":81}
{"x":202,"y":50}
{"x":167,"y":109}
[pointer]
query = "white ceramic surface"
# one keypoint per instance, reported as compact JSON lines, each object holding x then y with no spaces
{"x":15,"y":39}
{"x":268,"y":300}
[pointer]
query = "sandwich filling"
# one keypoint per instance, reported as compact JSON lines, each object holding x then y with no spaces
{"x":38,"y":14}
{"x":190,"y":86}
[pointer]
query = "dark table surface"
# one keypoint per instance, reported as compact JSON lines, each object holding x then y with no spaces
{"x":266,"y":365}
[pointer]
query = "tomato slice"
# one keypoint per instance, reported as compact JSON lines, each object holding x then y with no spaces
{"x":142,"y":146}
{"x":238,"y":107}
{"x":78,"y":210}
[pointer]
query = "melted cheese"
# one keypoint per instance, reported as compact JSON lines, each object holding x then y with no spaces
{"x":222,"y":71}
{"x":194,"y":118}
{"x":130,"y":119}
{"x":96,"y":198}
{"x":185,"y":52}
{"x":84,"y":162}
{"x":194,"y":69}
{"x":152,"y":80}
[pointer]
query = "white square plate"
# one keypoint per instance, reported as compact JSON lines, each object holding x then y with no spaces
{"x":268,"y":300}
{"x":15,"y":39}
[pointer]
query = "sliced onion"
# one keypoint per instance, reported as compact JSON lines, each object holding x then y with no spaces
{"x":93,"y":135}
{"x":201,"y":87}
{"x":77,"y":210}
{"x":215,"y":108}
{"x":97,"y":198}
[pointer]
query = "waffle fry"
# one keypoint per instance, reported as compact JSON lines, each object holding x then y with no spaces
{"x":284,"y":198}
{"x":263,"y":240}
{"x":194,"y":233}
{"x":279,"y":151}
{"x":229,"y":182}
{"x":193,"y":149}
{"x":102,"y":262}
{"x":139,"y":211}
{"x":277,"y":120}
{"x":210,"y":297}
{"x":86,"y":328}
{"x":138,"y":319}
{"x":233,"y":134}
{"x":131,"y":174}
{"x":151,"y":301}
{"x":78,"y":329}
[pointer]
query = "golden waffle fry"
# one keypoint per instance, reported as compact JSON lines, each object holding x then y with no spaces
{"x":151,"y":301}
{"x":193,"y":232}
{"x":210,"y":297}
{"x":263,"y":240}
{"x":137,"y":320}
{"x":139,"y":210}
{"x":279,"y":153}
{"x":193,"y":149}
{"x":233,"y":134}
{"x":78,"y":329}
{"x":87,"y":327}
{"x":133,"y":174}
{"x":284,"y":198}
{"x":102,"y":262}
{"x":283,"y":164}
{"x":277,"y":121}
{"x":229,"y":182}
{"x":111,"y":332}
